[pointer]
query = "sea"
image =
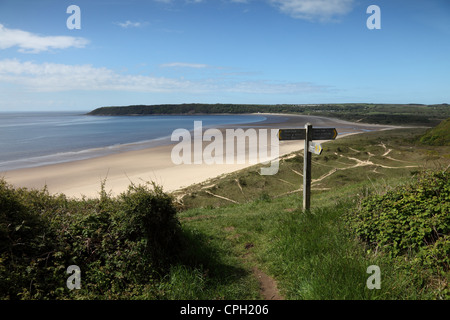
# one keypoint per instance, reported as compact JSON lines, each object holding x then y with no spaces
{"x":30,"y":139}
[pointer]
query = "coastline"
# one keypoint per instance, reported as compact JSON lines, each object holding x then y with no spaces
{"x":84,"y":177}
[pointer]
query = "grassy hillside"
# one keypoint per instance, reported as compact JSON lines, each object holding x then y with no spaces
{"x":324,"y":254}
{"x":437,"y":136}
{"x":371,"y":205}
{"x":353,"y":160}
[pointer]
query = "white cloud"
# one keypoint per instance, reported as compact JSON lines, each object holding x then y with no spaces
{"x":32,"y":43}
{"x":275,"y":87}
{"x":322,"y":10}
{"x":52,"y":77}
{"x":184,"y":65}
{"x":129,"y":24}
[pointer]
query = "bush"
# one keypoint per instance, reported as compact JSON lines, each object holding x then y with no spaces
{"x":27,"y":245}
{"x":150,"y":216}
{"x":437,"y":256}
{"x":122,"y":245}
{"x":409,"y":219}
{"x":409,"y":226}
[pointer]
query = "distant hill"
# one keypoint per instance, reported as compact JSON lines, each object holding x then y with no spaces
{"x":390,"y":114}
{"x":195,"y":108}
{"x":438,"y":136}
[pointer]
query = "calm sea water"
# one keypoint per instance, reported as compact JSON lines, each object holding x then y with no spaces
{"x":34,"y":139}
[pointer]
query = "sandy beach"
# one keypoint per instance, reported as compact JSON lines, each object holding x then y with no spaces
{"x":84,"y":177}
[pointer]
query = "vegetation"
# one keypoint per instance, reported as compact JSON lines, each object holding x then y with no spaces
{"x":361,"y":112}
{"x":379,"y":198}
{"x":120,"y":244}
{"x":409,"y":217}
{"x":437,"y":136}
{"x":411,"y":222}
{"x":323,"y":254}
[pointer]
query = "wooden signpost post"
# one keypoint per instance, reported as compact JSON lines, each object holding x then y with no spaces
{"x":308,"y":134}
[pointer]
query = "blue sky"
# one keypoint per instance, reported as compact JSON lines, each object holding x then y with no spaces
{"x":222,"y":51}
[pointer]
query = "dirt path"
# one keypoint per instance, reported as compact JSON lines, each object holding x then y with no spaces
{"x":268,"y":286}
{"x":220,"y":197}
{"x":361,"y":163}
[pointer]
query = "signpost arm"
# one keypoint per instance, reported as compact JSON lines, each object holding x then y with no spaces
{"x":307,"y":169}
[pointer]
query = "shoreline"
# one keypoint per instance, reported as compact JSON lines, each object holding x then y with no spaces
{"x":81,"y":178}
{"x":93,"y":152}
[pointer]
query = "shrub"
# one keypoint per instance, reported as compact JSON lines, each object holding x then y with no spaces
{"x":26,"y":243}
{"x":150,"y":216}
{"x":437,"y":256}
{"x":122,"y":244}
{"x":408,"y":219}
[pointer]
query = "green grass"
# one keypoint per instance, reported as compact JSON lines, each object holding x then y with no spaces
{"x":386,"y":154}
{"x":315,"y":255}
{"x":437,"y":136}
{"x":312,"y":255}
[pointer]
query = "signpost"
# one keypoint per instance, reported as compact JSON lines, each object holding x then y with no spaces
{"x":308,"y":134}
